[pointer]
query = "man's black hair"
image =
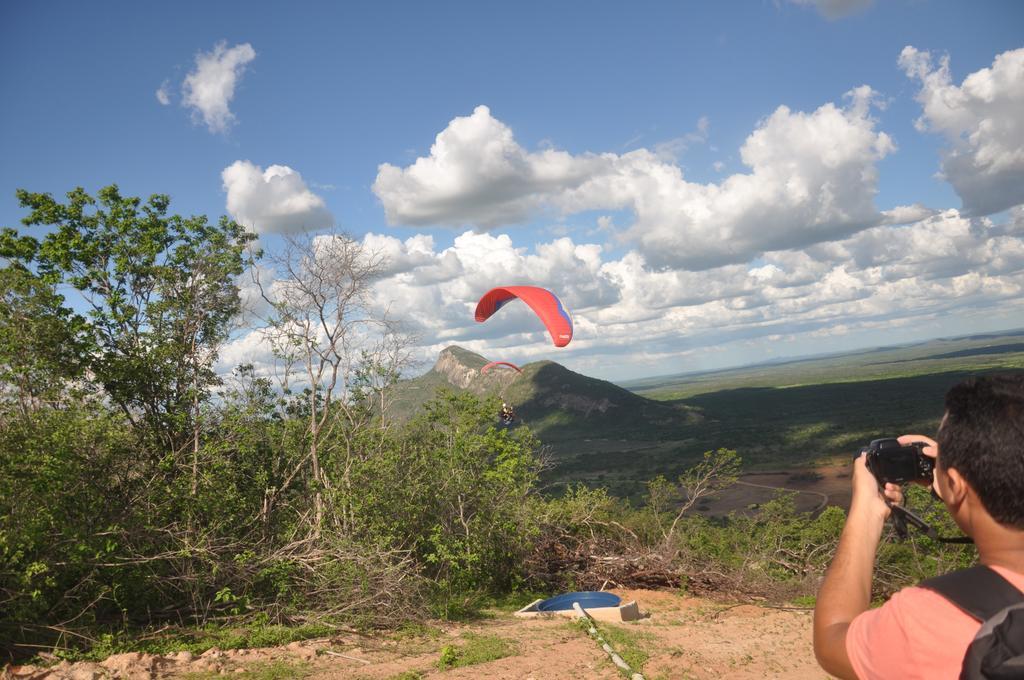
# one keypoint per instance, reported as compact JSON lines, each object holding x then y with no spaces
{"x":983,"y":438}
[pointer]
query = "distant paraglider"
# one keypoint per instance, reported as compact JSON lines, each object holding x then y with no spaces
{"x":543,"y":302}
{"x":508,"y":414}
{"x":500,"y":363}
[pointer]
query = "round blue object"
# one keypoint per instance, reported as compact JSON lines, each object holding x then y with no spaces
{"x":588,"y":599}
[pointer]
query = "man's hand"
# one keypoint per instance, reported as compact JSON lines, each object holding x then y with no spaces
{"x":931,"y":446}
{"x":931,"y":449}
{"x":868,"y":499}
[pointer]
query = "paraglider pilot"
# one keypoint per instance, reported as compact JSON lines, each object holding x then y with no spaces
{"x":507,"y":413}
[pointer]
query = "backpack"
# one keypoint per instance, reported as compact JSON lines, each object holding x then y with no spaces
{"x":997,"y":651}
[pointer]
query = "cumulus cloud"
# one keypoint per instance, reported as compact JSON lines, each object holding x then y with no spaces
{"x":163,"y":93}
{"x":835,"y":9}
{"x":884,"y":277}
{"x":436,"y":290}
{"x":398,"y":256}
{"x":209,"y":89}
{"x":253,"y":348}
{"x":946,"y":245}
{"x":478,"y":174}
{"x":275,"y":200}
{"x":812,"y":178}
{"x":905,"y":214}
{"x":629,"y":317}
{"x":981,"y":119}
{"x":1015,"y":225}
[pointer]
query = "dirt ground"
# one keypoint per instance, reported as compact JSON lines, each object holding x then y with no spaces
{"x":816,"y":488}
{"x":684,"y":638}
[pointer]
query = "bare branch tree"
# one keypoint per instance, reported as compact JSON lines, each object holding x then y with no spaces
{"x":343,"y":348}
{"x":718,"y":470}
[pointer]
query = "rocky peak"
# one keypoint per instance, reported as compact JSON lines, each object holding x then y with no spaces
{"x":459,"y":366}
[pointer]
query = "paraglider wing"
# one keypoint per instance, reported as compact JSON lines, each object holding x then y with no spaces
{"x":542,"y":301}
{"x":500,"y":363}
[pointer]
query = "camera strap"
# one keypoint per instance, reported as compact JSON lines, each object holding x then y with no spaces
{"x":902,"y":516}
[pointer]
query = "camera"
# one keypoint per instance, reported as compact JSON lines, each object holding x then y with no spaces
{"x":892,"y":462}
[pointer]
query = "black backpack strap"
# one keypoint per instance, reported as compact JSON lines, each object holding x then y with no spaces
{"x":978,"y":591}
{"x":997,"y":652}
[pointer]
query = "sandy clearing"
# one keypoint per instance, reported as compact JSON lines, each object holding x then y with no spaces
{"x":685,"y":638}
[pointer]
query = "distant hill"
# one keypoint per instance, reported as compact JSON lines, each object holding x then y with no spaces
{"x":967,"y":354}
{"x":556,"y":403}
{"x":782,"y":417}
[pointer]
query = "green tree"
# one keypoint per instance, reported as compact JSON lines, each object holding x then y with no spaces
{"x":42,"y":342}
{"x":455,"y":491}
{"x":160,"y":291}
{"x":716,"y":471}
{"x":345,"y":352}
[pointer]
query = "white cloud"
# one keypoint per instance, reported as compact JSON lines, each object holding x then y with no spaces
{"x":163,"y":93}
{"x":436,"y":291}
{"x":982,"y":121}
{"x":478,"y":174}
{"x":812,"y":178}
{"x":835,"y":9}
{"x":275,"y":200}
{"x":399,"y":256}
{"x":630,"y":319}
{"x":944,"y":246}
{"x":252,"y":348}
{"x":905,"y":214}
{"x":628,"y":315}
{"x":1015,"y":225}
{"x":209,"y":89}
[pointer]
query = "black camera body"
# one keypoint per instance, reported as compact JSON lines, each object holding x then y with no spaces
{"x":893,"y":463}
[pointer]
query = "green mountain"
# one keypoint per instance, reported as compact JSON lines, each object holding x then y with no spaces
{"x":556,"y":403}
{"x":786,"y":416}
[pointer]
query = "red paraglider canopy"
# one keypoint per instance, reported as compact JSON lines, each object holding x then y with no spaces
{"x":542,"y":301}
{"x":500,"y":363}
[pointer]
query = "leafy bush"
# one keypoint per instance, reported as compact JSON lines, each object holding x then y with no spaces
{"x":135,"y":488}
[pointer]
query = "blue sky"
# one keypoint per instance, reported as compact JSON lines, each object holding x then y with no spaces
{"x":692,"y":178}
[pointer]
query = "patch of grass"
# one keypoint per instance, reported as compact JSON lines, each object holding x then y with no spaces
{"x":274,"y":670}
{"x":476,"y":649}
{"x":515,"y":601}
{"x":466,"y":607}
{"x":804,"y":600}
{"x":407,"y":675}
{"x":416,"y":629}
{"x":416,"y":638}
{"x":196,"y":640}
{"x":630,"y":644}
{"x":237,"y":638}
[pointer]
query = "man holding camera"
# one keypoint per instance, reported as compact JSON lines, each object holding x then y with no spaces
{"x":979,"y":476}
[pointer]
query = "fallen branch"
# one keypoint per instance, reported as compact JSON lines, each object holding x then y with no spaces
{"x":346,"y":656}
{"x":592,"y":630}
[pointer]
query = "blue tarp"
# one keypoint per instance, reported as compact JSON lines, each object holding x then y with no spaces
{"x":588,"y":599}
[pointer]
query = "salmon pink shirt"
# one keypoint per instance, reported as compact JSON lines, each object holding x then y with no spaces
{"x":916,"y":634}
